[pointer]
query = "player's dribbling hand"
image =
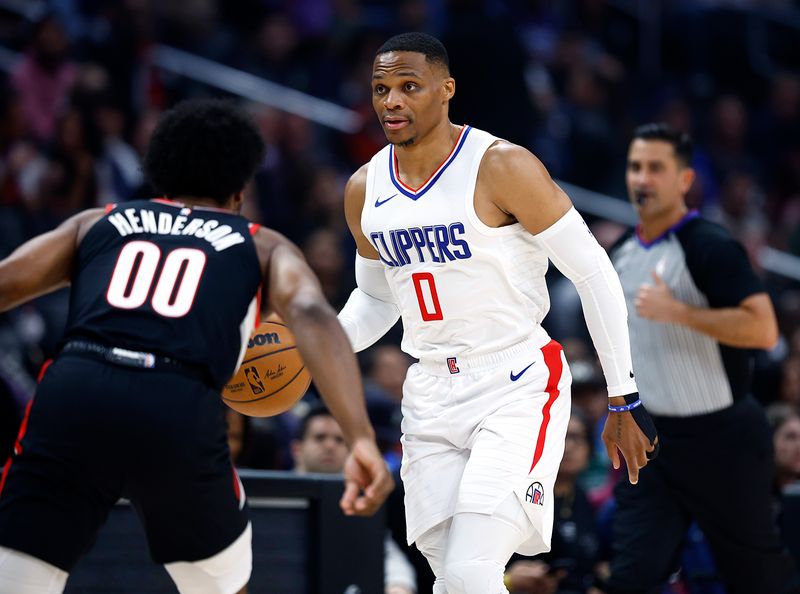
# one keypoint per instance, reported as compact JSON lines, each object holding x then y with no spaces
{"x":622,"y":434}
{"x":367,"y":481}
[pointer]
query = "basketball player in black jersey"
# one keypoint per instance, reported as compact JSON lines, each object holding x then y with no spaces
{"x":163,"y":298}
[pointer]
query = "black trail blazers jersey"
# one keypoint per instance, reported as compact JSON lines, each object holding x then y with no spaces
{"x":160,"y":277}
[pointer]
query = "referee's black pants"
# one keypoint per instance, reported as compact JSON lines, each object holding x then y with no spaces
{"x":717,"y":470}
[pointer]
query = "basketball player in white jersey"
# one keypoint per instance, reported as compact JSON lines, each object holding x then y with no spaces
{"x":454,"y":229}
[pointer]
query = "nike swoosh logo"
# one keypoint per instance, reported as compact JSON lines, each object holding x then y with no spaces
{"x":515,"y":377}
{"x":378,"y":202}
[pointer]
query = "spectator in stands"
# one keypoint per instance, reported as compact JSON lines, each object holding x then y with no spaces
{"x":320,"y":447}
{"x":44,"y":77}
{"x":68,"y":183}
{"x":385,"y":365}
{"x":785,"y":422}
{"x":324,"y":254}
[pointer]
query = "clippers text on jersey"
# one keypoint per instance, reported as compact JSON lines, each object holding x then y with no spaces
{"x":432,"y":243}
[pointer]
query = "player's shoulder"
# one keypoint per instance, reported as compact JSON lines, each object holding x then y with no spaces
{"x":358,"y":181}
{"x":355,"y":191}
{"x":505,"y":160}
{"x":502,"y":152}
{"x":268,"y":240}
{"x":84,"y":221}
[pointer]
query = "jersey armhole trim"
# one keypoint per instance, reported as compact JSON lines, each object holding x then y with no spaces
{"x":469,"y":195}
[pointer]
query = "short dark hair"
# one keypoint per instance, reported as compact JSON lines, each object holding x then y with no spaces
{"x":203,"y":147}
{"x":316,"y":410}
{"x":680,"y":141}
{"x":421,"y":43}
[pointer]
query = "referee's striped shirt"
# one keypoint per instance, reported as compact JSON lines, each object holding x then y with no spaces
{"x":681,"y":372}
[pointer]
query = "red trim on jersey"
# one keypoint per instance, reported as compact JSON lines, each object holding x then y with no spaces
{"x":435,"y":171}
{"x":254,"y":227}
{"x":110,"y":207}
{"x":17,"y":446}
{"x":552,"y":358}
{"x":43,"y":369}
{"x":6,"y":468}
{"x":257,"y":318}
{"x":168,"y":202}
{"x":237,"y":491}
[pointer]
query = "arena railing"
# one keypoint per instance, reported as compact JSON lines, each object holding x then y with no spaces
{"x":302,"y":543}
{"x":256,"y":89}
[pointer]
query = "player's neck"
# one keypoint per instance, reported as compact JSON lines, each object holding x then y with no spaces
{"x":194,"y":201}
{"x":652,"y":227}
{"x":416,"y":162}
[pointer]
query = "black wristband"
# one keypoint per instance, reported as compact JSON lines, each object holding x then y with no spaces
{"x":645,"y":422}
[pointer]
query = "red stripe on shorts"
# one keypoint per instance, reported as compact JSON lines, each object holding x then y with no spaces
{"x":552,"y":358}
{"x":43,"y":370}
{"x":17,"y":447}
{"x":236,"y":488}
{"x":22,"y":428}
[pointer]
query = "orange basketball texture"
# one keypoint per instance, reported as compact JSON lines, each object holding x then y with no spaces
{"x":272,"y":376}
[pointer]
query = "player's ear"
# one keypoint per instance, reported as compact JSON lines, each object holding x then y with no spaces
{"x":448,"y":88}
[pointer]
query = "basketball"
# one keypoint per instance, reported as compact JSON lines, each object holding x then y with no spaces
{"x":272,"y":376}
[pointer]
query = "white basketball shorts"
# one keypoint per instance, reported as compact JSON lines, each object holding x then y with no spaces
{"x":476,"y":429}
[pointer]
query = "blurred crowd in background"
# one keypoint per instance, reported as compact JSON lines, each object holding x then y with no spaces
{"x":80,"y":94}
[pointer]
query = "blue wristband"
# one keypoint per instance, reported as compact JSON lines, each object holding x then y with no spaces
{"x":625,"y":407}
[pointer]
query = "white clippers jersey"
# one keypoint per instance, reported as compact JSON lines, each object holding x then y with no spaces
{"x":463,"y":288}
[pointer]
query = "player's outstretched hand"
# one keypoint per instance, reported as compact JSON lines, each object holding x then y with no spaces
{"x":632,"y":433}
{"x":367,"y":480}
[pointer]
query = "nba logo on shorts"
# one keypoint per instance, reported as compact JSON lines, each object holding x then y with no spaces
{"x":256,"y":385}
{"x":535,"y":494}
{"x":451,"y":365}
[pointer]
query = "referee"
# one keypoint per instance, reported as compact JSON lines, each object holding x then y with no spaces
{"x":696,"y":311}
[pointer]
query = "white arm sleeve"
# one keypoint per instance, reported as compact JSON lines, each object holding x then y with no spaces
{"x":576,"y":253}
{"x":370,"y":311}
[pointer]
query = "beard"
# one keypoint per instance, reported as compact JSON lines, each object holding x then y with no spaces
{"x":406,"y":143}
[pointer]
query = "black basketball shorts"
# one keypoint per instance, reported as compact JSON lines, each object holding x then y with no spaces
{"x":97,"y":432}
